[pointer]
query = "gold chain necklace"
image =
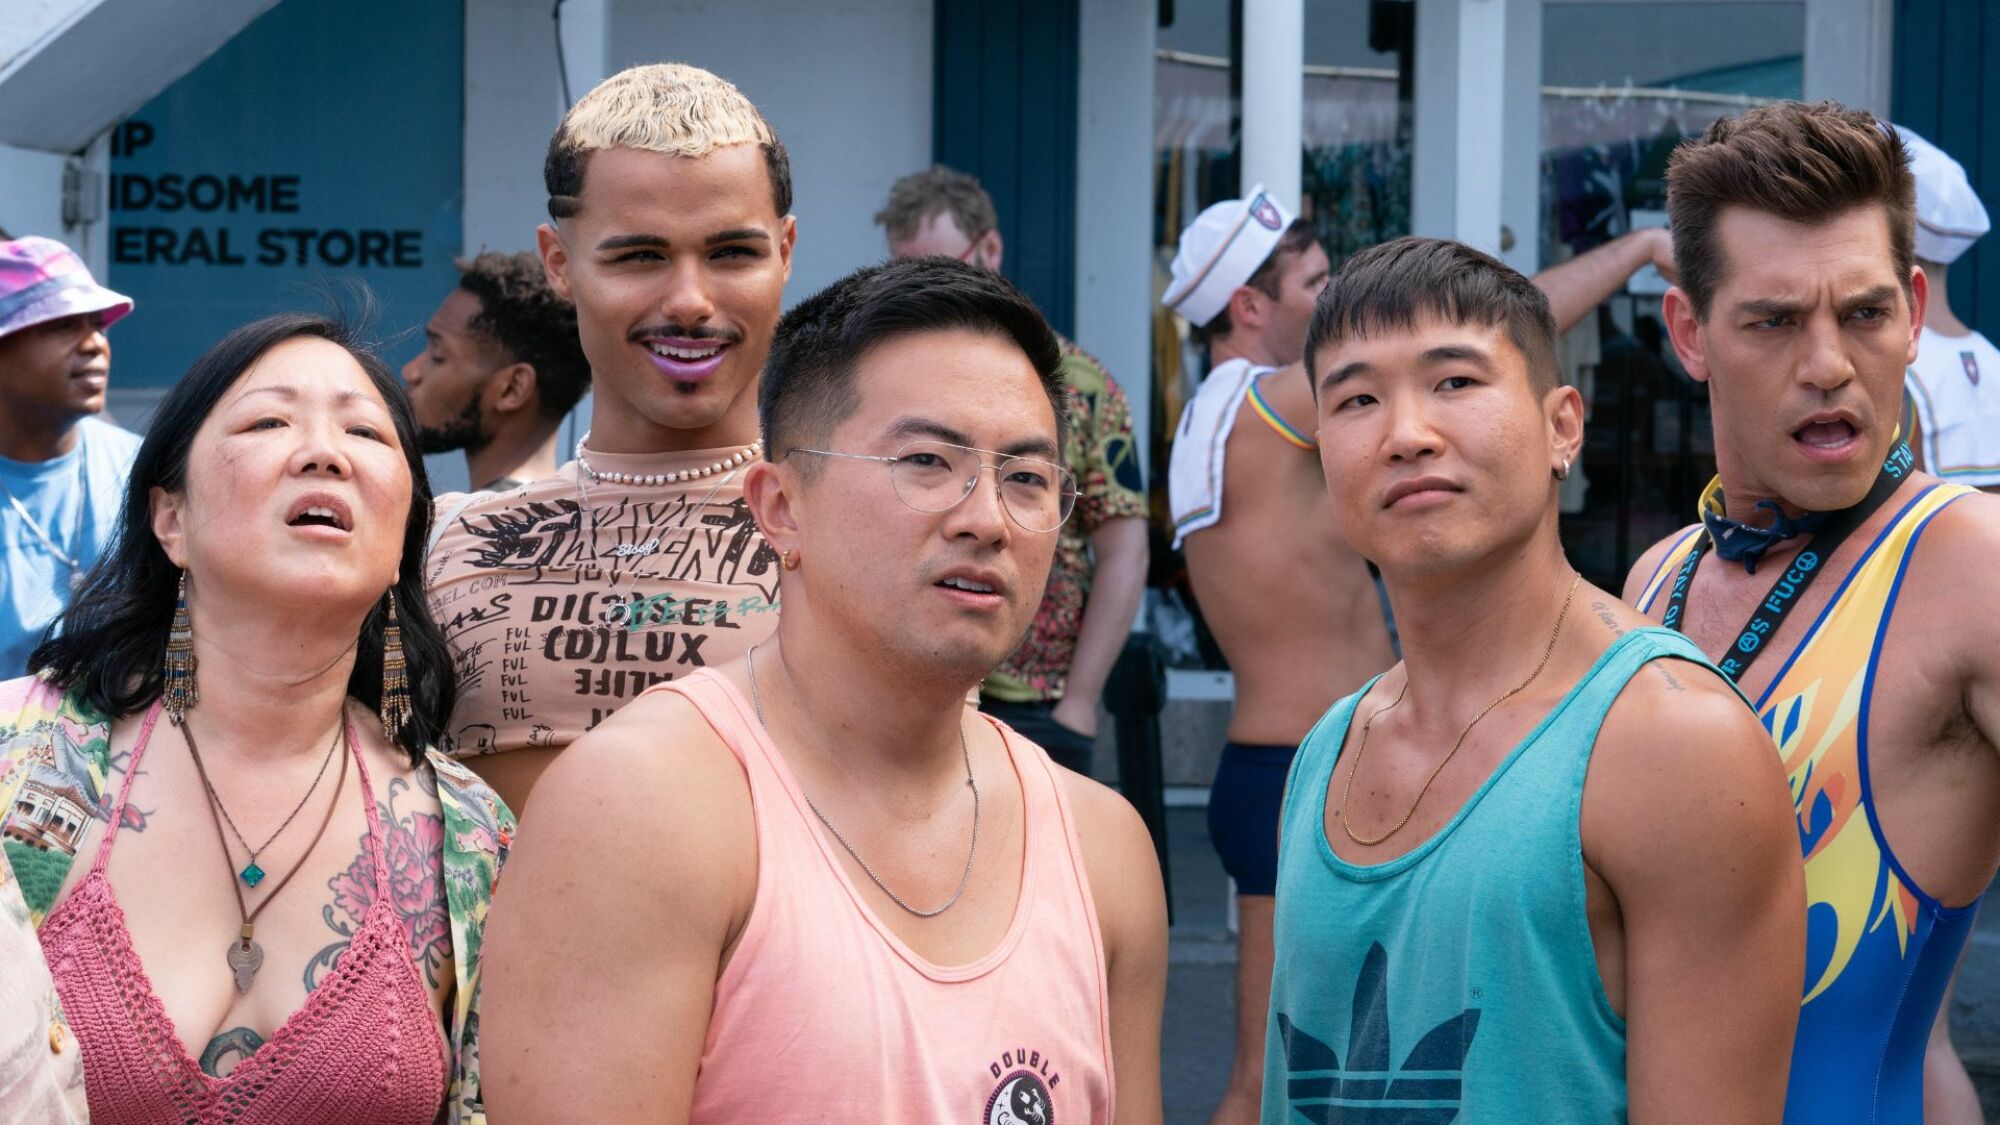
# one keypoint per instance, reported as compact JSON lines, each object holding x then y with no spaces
{"x":1347,"y":791}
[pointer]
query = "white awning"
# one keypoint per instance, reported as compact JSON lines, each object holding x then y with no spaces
{"x":70,"y":69}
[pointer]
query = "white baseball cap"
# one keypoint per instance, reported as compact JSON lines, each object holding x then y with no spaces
{"x":1220,"y":250}
{"x":1950,"y":217}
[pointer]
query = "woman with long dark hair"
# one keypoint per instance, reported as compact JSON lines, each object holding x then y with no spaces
{"x":259,"y":892}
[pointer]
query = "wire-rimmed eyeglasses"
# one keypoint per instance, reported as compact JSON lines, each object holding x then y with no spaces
{"x":936,"y":476}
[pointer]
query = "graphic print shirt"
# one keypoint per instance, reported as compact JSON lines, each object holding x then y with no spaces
{"x":1100,"y":454}
{"x":559,"y":613}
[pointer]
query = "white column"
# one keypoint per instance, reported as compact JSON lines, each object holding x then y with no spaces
{"x":30,"y":192}
{"x":1521,"y":139}
{"x":586,"y":37}
{"x":1114,"y":228}
{"x":513,"y":101}
{"x":586,"y":46}
{"x":1274,"y":60}
{"x":1479,"y":125}
{"x":1478,"y":89}
{"x":1434,"y":141}
{"x":90,"y":233}
{"x":1848,"y":45}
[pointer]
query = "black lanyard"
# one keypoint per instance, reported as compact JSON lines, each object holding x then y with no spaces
{"x":1799,"y":573}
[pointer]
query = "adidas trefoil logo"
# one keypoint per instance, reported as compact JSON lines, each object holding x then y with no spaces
{"x":1425,"y":1090}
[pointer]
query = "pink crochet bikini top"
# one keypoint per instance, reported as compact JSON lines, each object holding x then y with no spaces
{"x":365,"y":1047}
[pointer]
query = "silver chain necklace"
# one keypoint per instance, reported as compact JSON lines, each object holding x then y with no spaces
{"x":73,"y":562}
{"x":757,"y":704}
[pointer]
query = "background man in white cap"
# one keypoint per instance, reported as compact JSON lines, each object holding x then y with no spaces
{"x":1293,"y":608}
{"x":1952,"y":386}
{"x":62,"y":471}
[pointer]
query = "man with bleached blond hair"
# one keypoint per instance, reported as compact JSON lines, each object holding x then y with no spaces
{"x":670,"y":228}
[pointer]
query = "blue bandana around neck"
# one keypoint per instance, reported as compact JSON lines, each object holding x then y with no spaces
{"x":1736,"y":541}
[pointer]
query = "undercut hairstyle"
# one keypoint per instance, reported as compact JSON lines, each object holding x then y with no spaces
{"x":1291,"y":244}
{"x":937,"y":190}
{"x":669,"y":108}
{"x":520,"y":314}
{"x":1388,"y":288}
{"x":1807,"y":163}
{"x":110,"y":644}
{"x":809,"y":380}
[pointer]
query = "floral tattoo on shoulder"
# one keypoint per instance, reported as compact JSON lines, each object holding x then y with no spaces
{"x":413,"y":853}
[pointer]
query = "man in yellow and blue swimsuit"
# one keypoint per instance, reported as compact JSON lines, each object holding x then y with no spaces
{"x":1849,"y":595}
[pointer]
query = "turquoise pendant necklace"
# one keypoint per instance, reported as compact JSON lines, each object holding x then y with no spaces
{"x":251,"y":873}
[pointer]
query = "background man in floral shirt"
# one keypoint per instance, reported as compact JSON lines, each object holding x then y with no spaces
{"x":1048,"y":689}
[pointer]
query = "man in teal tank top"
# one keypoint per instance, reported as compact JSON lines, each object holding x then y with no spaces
{"x":1851,"y":596}
{"x":1542,"y":870}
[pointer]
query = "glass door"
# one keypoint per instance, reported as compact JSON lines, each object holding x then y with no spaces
{"x":1624,"y":82}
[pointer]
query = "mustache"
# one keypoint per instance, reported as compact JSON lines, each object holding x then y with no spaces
{"x":689,"y":332}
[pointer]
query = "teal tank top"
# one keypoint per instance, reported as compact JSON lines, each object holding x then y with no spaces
{"x":1456,"y":982}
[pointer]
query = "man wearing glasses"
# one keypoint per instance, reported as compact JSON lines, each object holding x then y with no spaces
{"x":1048,"y":689}
{"x":857,"y":898}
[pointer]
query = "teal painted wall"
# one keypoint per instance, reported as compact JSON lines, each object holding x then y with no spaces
{"x":1947,"y":87}
{"x":323,"y":144}
{"x":1005,"y":111}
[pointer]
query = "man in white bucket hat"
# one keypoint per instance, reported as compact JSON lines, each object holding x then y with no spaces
{"x":62,"y":470}
{"x":1293,"y":608}
{"x":1952,"y":385}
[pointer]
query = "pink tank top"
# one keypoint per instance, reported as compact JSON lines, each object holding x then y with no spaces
{"x":365,"y":1047}
{"x":824,"y":1014}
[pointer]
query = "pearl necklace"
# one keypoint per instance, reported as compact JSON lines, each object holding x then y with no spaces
{"x":742,"y":456}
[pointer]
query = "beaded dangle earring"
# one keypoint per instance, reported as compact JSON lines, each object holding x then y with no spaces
{"x":180,"y":692}
{"x":395,"y":707}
